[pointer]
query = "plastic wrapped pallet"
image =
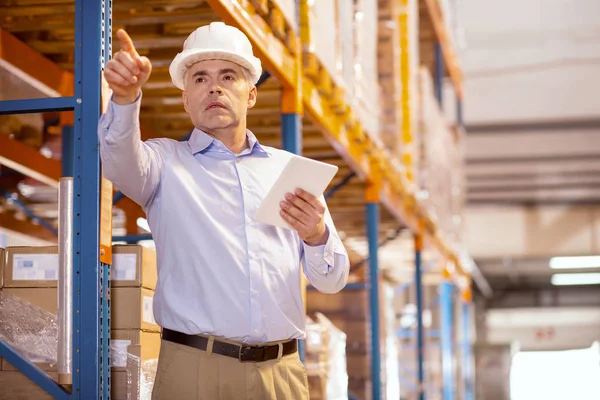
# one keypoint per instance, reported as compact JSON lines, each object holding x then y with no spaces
{"x":389,"y":358}
{"x":321,"y":39}
{"x":441,"y":171}
{"x":33,"y":333}
{"x":316,"y":344}
{"x":366,"y":86}
{"x":388,"y":53}
{"x":326,"y":359}
{"x":345,"y":38}
{"x":28,"y":329}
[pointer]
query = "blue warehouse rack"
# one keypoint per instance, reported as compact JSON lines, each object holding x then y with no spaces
{"x":91,"y":311}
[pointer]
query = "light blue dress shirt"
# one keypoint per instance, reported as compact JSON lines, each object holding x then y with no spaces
{"x":219,"y":272}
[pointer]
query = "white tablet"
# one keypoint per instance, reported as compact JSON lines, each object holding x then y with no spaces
{"x":300,"y":172}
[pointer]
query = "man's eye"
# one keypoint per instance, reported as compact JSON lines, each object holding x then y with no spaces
{"x":228,"y":77}
{"x":198,"y":80}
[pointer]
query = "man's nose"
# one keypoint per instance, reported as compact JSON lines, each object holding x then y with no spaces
{"x":215,"y":89}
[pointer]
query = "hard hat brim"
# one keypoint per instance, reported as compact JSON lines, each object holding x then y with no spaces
{"x":187,"y":58}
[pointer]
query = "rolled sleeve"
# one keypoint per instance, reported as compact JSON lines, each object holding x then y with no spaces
{"x":130,"y":164}
{"x":120,"y":122}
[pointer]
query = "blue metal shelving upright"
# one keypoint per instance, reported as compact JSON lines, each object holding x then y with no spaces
{"x":91,"y":307}
{"x":372,"y":218}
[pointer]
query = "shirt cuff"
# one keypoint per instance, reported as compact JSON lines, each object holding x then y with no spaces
{"x":120,"y":118}
{"x":321,"y":257}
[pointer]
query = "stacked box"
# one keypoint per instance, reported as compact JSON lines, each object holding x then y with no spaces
{"x":388,"y":55}
{"x":319,"y":37}
{"x":30,"y":277}
{"x":366,"y":88}
{"x":16,"y":386}
{"x":441,"y":171}
{"x":348,"y":310}
{"x":135,"y":336}
{"x":345,"y":46}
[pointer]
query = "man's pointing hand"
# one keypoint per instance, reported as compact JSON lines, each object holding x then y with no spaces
{"x":127,"y":71}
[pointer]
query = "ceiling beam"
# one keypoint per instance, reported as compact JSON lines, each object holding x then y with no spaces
{"x":592,"y":125}
{"x":533,"y":202}
{"x":536,"y":177}
{"x":553,"y":158}
{"x":533,"y":186}
{"x":39,"y":71}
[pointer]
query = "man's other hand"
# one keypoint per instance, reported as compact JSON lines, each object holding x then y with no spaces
{"x":304,"y":212}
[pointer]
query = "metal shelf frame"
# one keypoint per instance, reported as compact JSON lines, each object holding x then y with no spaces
{"x":386,"y":185}
{"x":91,"y":307}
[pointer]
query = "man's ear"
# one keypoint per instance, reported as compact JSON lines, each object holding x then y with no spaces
{"x":185,"y":101}
{"x":252,"y":97}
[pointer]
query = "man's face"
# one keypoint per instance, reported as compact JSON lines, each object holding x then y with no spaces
{"x":217,"y":95}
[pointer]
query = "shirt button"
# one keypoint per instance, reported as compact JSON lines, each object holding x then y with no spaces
{"x":248,"y":220}
{"x":255,"y":330}
{"x":254,"y":292}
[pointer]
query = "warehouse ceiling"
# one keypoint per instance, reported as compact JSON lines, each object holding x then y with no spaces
{"x":532,"y":113}
{"x":532,"y":108}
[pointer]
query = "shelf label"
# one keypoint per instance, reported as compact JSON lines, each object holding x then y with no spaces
{"x":147,"y":312}
{"x":35,"y":267}
{"x":124,"y":267}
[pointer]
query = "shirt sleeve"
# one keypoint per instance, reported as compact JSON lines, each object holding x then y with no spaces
{"x":327,"y":266}
{"x":133,"y":166}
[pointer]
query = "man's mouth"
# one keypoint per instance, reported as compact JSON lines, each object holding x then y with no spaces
{"x":215,"y":104}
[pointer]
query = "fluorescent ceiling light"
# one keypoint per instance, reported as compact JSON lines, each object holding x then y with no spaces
{"x":575,"y":262}
{"x":592,"y":278}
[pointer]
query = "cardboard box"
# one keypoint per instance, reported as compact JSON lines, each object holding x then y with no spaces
{"x":2,"y":261}
{"x":118,"y":385}
{"x":16,"y":386}
{"x":133,"y":266}
{"x":31,"y":266}
{"x":122,"y":340}
{"x":347,"y":304}
{"x":44,"y":298}
{"x":131,"y":308}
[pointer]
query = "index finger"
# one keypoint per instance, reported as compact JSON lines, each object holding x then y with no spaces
{"x":126,"y":43}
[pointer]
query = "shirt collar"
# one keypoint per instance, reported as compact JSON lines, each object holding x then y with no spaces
{"x":200,"y":141}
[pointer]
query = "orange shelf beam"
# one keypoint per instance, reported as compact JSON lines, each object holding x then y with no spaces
{"x":29,"y":161}
{"x":26,"y":228}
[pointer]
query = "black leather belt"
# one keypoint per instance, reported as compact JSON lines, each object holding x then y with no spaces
{"x":244,"y":353}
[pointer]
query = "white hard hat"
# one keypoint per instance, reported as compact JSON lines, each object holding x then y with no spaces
{"x":216,"y":41}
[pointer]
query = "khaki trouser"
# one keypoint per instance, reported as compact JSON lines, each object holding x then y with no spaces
{"x":186,"y":373}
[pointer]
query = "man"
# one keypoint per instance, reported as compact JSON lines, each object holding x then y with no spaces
{"x":228,"y":295}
